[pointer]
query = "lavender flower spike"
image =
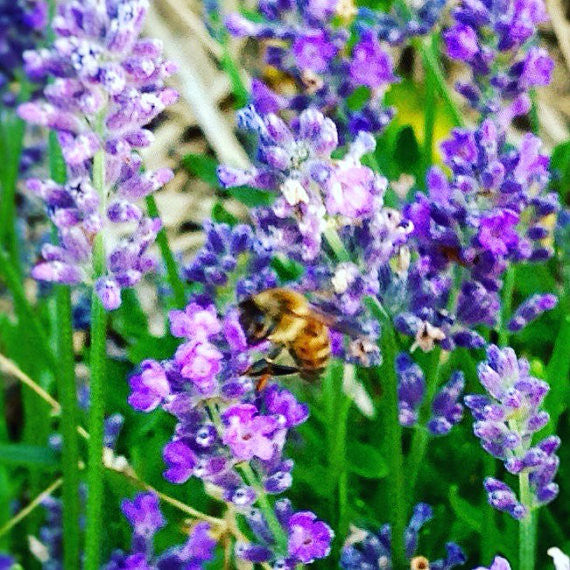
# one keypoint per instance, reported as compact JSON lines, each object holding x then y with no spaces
{"x":446,"y":409}
{"x":411,"y":389}
{"x":495,"y":41}
{"x":506,"y":421}
{"x":530,"y":310}
{"x":363,"y":549}
{"x":144,"y":515}
{"x":108,"y":85}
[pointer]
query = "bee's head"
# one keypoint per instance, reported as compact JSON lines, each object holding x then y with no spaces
{"x":253,"y":321}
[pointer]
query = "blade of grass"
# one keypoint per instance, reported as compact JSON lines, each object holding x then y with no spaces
{"x":24,"y":310}
{"x":174,"y":279}
{"x":67,"y":392}
{"x":95,"y":497}
{"x":393,"y":437}
{"x":12,"y":130}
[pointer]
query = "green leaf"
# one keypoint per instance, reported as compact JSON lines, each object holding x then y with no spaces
{"x":407,"y":151}
{"x":239,"y":90}
{"x":28,"y":456}
{"x":251,"y":197}
{"x":149,"y":346}
{"x":366,"y":461}
{"x":222,"y":216}
{"x":358,"y":98}
{"x":560,"y":167}
{"x":465,"y":511}
{"x":557,"y":371}
{"x":204,"y":167}
{"x":286,"y":269}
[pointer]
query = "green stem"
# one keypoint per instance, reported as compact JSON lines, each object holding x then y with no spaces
{"x":12,"y":130}
{"x":337,"y":406}
{"x":266,"y":508}
{"x":527,"y":527}
{"x":393,"y":437}
{"x":433,"y":68}
{"x":24,"y":309}
{"x":335,"y":243}
{"x":506,"y":305}
{"x":429,"y":116}
{"x":97,"y":399}
{"x":67,"y":392}
{"x":421,"y":435}
{"x":169,"y":262}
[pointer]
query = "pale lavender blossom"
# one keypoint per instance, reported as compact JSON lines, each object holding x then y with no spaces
{"x":108,"y":84}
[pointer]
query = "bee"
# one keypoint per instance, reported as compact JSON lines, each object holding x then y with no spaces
{"x":286,"y":319}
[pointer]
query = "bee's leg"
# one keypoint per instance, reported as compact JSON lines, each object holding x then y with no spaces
{"x":262,"y":382}
{"x":273,"y":370}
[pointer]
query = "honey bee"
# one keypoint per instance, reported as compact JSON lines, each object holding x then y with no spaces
{"x":286,"y":319}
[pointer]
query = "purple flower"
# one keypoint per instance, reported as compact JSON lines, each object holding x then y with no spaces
{"x":249,"y":434}
{"x":461,"y":42}
{"x":531,"y":309}
{"x":496,"y":42}
{"x":107,"y":86}
{"x":506,"y":422}
{"x":499,"y":563}
{"x":313,"y":51}
{"x":312,"y":190}
{"x":149,"y":388}
{"x":482,"y":218}
{"x":283,"y":404}
{"x":6,"y":562}
{"x":144,"y":514}
{"x":198,"y":549}
{"x":232,"y":254}
{"x":200,"y":362}
{"x":195,"y":322}
{"x":363,"y":549}
{"x":309,"y":538}
{"x":497,"y":232}
{"x":370,"y":64}
{"x":446,"y":410}
{"x":411,"y":388}
{"x":325,"y":68}
{"x":181,"y":461}
{"x":23,"y":25}
{"x":351,"y":190}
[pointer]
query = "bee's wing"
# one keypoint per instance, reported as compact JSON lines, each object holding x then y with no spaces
{"x":335,"y":322}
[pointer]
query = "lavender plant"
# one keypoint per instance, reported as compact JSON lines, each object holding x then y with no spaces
{"x":272,"y":471}
{"x":108,"y":86}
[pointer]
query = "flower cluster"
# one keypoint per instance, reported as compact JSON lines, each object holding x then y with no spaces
{"x":143,"y":513}
{"x":321,"y":201}
{"x":531,"y":309}
{"x":307,"y":537}
{"x":506,"y":421}
{"x":311,"y":188}
{"x":22,"y":23}
{"x":403,"y":21}
{"x":226,"y":434}
{"x":108,"y":85}
{"x":364,"y":549}
{"x":495,"y":41}
{"x":232,"y":259}
{"x":326,"y":68}
{"x":493,"y":211}
{"x":446,"y":409}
